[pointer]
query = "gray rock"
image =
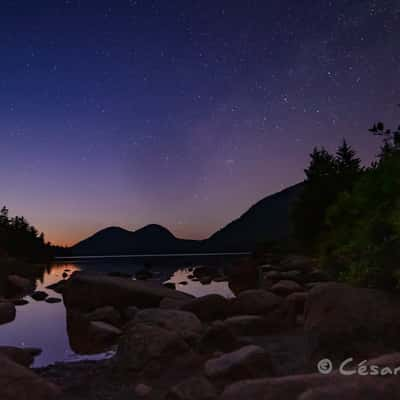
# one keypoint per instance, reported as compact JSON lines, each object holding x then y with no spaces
{"x":255,"y":302}
{"x":53,"y":300}
{"x":107,"y":314}
{"x":39,"y":295}
{"x":286,"y":287}
{"x":104,"y":331}
{"x":208,"y":308}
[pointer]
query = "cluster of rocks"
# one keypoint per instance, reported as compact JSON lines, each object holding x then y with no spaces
{"x":263,"y":344}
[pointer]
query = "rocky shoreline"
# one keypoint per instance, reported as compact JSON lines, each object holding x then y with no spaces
{"x":265,"y":343}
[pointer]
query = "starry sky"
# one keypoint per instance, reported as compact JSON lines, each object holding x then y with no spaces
{"x":182,"y":113}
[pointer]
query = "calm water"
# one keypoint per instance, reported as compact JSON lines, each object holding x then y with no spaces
{"x":43,"y":325}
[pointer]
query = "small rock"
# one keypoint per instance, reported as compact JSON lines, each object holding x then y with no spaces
{"x":170,"y":285}
{"x":39,"y":295}
{"x":65,"y":275}
{"x":57,"y":287}
{"x":247,"y":325}
{"x":219,"y":337}
{"x":53,"y":300}
{"x":22,"y":356}
{"x":142,"y":390}
{"x":205,"y":280}
{"x":183,"y":283}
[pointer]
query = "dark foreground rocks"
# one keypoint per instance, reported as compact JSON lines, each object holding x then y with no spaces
{"x":7,"y":312}
{"x":20,"y":383}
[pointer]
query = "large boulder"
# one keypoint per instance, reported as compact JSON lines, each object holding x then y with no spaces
{"x":255,"y":302}
{"x":7,"y":312}
{"x":219,"y":337}
{"x":341,"y":322}
{"x":103,"y":331}
{"x":208,"y":308}
{"x":88,"y":291}
{"x":286,"y":287}
{"x":196,"y":388}
{"x":22,"y":356}
{"x":143,"y":346}
{"x":107,"y":314}
{"x":19,"y":285}
{"x":318,"y":386}
{"x":247,"y":362}
{"x":247,"y":325}
{"x":19,"y":383}
{"x":184,"y":323}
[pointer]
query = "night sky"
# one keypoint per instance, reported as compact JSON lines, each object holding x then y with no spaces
{"x":182,"y":113}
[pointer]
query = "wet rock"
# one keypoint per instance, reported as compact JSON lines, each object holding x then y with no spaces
{"x":245,"y":363}
{"x":255,"y":302}
{"x":18,"y":383}
{"x":143,"y":344}
{"x":184,"y":323}
{"x":22,"y":356}
{"x":183,"y":283}
{"x":196,"y":388}
{"x":39,"y":295}
{"x":7,"y":312}
{"x":208,"y":308}
{"x":53,"y":300}
{"x":286,"y":287}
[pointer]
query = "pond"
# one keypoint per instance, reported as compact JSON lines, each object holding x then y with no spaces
{"x":43,"y":325}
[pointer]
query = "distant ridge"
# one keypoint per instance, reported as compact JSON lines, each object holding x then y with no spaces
{"x":269,"y":219}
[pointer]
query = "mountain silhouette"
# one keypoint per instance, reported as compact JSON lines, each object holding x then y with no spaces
{"x":267,"y":220}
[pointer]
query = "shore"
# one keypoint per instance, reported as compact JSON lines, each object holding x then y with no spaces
{"x":265,"y":343}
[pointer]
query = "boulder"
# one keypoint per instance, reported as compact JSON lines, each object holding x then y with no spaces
{"x":143,"y":345}
{"x":142,"y":390}
{"x":341,"y":322}
{"x":297,"y":262}
{"x":286,"y":287}
{"x":88,"y":291}
{"x":196,"y":388}
{"x":129,"y":313}
{"x":20,"y":383}
{"x":245,"y":363}
{"x":39,"y":295}
{"x":22,"y":356}
{"x":7,"y":312}
{"x":318,"y":386}
{"x":298,"y":300}
{"x":57,"y":287}
{"x":107,"y":314}
{"x":208,"y":308}
{"x":247,"y":325}
{"x":103,"y":331}
{"x":206,"y":280}
{"x":19,"y":284}
{"x":184,"y":323}
{"x":204,"y":271}
{"x":255,"y":302}
{"x":219,"y":337}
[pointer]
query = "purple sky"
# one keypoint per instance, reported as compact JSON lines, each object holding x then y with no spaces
{"x":182,"y":113}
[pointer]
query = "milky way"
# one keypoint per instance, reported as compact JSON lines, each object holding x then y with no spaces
{"x":182,"y":113}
